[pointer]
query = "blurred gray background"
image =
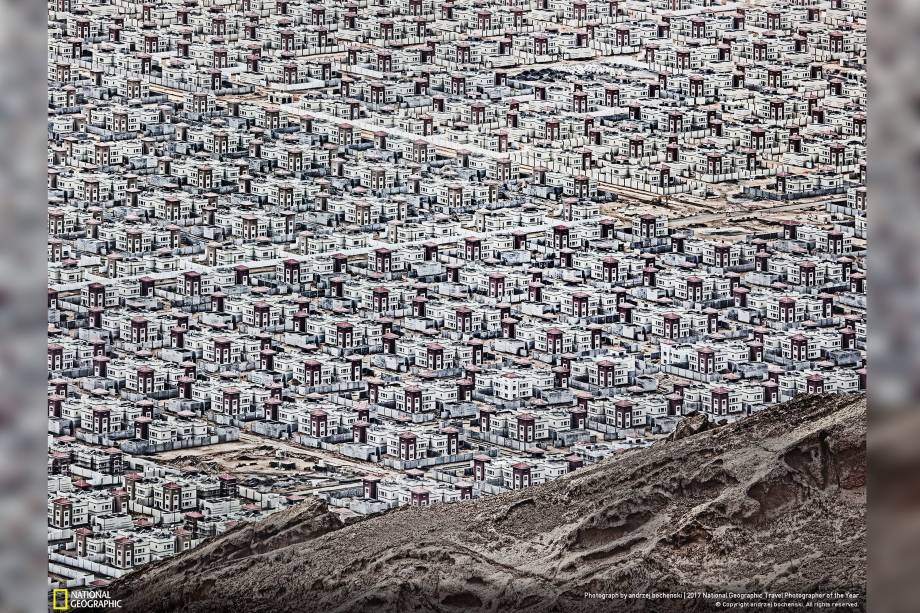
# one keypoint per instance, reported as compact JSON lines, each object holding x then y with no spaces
{"x":894,"y":314}
{"x":23,"y":324}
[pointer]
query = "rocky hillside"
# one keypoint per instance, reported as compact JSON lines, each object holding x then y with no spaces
{"x":775,"y":502}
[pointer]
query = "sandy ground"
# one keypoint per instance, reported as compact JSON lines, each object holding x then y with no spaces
{"x":250,"y":459}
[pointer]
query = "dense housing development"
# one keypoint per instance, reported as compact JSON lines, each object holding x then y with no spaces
{"x":408,"y":252}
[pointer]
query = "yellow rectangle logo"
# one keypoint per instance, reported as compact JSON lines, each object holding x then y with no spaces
{"x":60,"y":599}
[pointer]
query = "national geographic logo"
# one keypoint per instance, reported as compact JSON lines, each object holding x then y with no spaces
{"x":63,"y":599}
{"x":60,"y":600}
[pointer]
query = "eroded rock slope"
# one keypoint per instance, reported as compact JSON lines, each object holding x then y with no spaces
{"x":774,"y":502}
